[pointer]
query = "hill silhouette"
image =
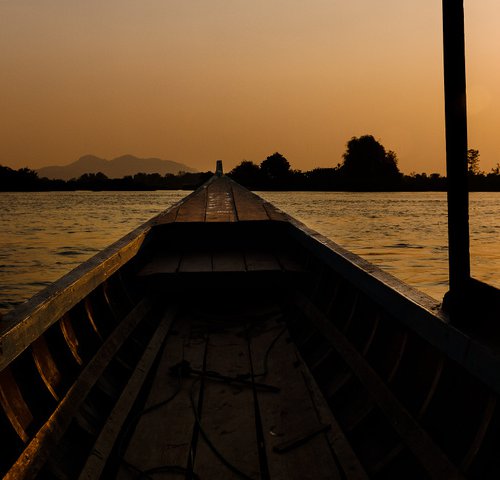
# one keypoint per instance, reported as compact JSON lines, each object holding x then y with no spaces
{"x":115,"y":168}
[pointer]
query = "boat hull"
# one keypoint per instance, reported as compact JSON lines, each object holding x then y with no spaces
{"x":362,"y":376}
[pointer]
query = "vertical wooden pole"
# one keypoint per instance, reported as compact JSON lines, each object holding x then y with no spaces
{"x":456,"y":150}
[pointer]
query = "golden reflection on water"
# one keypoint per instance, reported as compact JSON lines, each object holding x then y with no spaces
{"x":405,"y":233}
{"x":44,"y":235}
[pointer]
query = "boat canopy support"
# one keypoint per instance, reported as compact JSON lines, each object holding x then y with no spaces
{"x":456,"y":155}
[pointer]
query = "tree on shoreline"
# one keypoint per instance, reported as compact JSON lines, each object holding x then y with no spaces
{"x":248,"y":174}
{"x":367,"y":163}
{"x":275,"y":167}
{"x":18,"y":180}
{"x":367,"y":166}
{"x":473,"y":162}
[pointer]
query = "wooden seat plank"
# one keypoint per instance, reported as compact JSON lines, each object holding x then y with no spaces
{"x":290,"y":417}
{"x":165,"y":263}
{"x":261,"y":261}
{"x":196,"y":262}
{"x":227,"y":415}
{"x":228,"y":262}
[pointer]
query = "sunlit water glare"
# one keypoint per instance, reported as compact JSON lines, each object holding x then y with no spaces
{"x":44,"y":235}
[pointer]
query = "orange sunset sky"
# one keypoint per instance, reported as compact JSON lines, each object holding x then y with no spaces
{"x":198,"y":80}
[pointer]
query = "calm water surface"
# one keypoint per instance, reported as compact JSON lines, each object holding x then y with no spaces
{"x":405,"y":233}
{"x":44,"y":235}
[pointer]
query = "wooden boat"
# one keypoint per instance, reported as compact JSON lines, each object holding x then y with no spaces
{"x":225,"y":339}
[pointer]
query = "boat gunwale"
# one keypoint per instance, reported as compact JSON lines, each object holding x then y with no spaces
{"x":24,"y":324}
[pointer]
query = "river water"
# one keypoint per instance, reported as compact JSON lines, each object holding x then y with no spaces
{"x":43,"y":235}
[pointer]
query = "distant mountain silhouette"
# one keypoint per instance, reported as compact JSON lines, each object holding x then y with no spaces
{"x":116,"y":168}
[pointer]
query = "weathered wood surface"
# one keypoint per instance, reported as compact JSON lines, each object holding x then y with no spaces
{"x":45,"y":441}
{"x":228,"y":261}
{"x":29,"y":321}
{"x":348,"y":460}
{"x":247,"y":260}
{"x":221,"y":200}
{"x":157,"y":442}
{"x":194,"y":210}
{"x":109,"y":434}
{"x":233,"y":414}
{"x":13,"y":404}
{"x":292,"y":415}
{"x":227,"y":415}
{"x":196,"y":262}
{"x":436,"y":463}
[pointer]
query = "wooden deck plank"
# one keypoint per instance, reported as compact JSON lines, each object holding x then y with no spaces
{"x":165,"y":263}
{"x":249,"y":207}
{"x":291,"y":415}
{"x":194,"y":209}
{"x":196,"y":262}
{"x":228,"y":411}
{"x":228,"y":262}
{"x":105,"y":442}
{"x":220,"y":203}
{"x":163,"y":435}
{"x":261,"y":261}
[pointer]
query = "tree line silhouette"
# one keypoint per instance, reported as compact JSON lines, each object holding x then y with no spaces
{"x":366,"y":166}
{"x":25,"y":179}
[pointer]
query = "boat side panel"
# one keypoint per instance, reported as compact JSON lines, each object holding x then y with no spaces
{"x":414,"y":309}
{"x":26,"y":323}
{"x":454,"y":407}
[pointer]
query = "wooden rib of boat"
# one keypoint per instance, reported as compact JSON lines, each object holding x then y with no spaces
{"x":224,"y":339}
